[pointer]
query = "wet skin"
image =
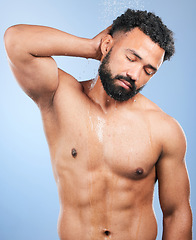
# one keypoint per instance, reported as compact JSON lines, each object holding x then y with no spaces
{"x":106,"y":181}
{"x":109,"y":184}
{"x":106,"y":155}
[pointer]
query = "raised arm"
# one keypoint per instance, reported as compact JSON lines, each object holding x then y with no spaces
{"x":174,"y":185}
{"x":29,"y":49}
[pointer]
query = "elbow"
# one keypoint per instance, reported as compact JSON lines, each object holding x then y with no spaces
{"x":10,"y":35}
{"x":184,"y":213}
{"x":181,"y":220}
{"x":12,"y":39}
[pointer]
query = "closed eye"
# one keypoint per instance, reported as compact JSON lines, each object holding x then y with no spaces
{"x":131,"y":60}
{"x":149,"y":73}
{"x":150,"y":70}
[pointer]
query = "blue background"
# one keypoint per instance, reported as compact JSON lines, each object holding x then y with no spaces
{"x":28,"y":196}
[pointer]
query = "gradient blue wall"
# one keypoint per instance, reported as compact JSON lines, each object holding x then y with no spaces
{"x":28,"y":196}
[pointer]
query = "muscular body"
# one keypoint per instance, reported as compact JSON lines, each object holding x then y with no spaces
{"x":106,"y":155}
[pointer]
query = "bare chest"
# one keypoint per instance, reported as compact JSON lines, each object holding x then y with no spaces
{"x":125,"y":145}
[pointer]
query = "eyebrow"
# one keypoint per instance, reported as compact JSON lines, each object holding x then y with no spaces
{"x":138,"y":56}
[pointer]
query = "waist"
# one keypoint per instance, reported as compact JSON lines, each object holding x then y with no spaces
{"x":98,"y":223}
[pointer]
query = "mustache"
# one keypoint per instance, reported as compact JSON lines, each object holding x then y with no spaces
{"x":128,"y":79}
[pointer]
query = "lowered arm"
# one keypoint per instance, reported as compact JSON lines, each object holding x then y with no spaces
{"x":174,"y":187}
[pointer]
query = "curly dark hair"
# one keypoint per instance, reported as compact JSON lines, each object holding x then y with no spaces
{"x":148,"y":23}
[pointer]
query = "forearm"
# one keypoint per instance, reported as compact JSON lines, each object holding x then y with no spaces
{"x":178,"y":226}
{"x":43,"y":41}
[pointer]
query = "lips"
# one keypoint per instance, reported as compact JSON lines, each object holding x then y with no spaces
{"x":125,"y":84}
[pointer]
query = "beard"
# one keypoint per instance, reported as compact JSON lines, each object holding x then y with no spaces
{"x":116,"y":92}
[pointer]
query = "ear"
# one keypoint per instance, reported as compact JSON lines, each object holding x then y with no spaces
{"x":106,"y":45}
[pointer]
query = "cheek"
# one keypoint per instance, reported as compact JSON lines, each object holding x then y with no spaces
{"x":117,"y":63}
{"x":144,"y":79}
{"x":115,"y":68}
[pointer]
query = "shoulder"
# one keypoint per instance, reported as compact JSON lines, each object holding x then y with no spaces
{"x":173,"y":137}
{"x":67,"y":90}
{"x":165,"y":127}
{"x":70,"y":92}
{"x":67,"y":80}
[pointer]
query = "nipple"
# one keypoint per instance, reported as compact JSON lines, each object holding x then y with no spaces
{"x":139,"y":171}
{"x":74,"y":152}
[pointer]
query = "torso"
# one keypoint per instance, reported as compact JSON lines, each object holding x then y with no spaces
{"x":104,"y":166}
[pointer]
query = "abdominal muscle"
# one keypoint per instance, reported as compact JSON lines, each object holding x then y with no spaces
{"x":99,"y":206}
{"x":73,"y":227}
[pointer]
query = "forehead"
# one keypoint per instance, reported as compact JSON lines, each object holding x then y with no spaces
{"x":141,"y":43}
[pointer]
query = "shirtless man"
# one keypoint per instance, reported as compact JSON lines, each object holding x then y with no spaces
{"x":108,"y":143}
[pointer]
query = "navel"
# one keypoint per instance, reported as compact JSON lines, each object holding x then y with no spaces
{"x":107,"y":233}
{"x":74,"y":153}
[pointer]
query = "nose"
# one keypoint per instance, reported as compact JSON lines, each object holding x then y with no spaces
{"x":134,"y":72}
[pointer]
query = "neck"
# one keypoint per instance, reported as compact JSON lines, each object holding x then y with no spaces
{"x":100,"y":97}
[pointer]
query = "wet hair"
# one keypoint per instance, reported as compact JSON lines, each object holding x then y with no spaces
{"x":148,"y":23}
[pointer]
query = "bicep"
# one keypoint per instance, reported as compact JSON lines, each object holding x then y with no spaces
{"x":173,"y":185}
{"x":172,"y":174}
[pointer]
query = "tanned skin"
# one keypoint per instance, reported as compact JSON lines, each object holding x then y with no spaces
{"x":106,"y":155}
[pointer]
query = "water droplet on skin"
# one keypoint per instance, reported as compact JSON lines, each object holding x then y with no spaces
{"x":93,"y":82}
{"x":99,"y":129}
{"x":115,"y":106}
